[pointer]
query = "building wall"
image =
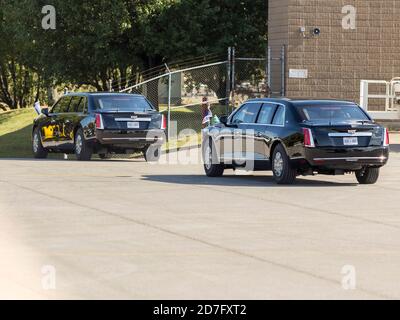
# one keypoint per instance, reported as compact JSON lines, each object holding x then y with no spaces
{"x":338,"y":59}
{"x":278,"y":35}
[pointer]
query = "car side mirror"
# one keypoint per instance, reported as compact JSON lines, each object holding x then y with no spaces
{"x":45,"y":111}
{"x":223,"y":120}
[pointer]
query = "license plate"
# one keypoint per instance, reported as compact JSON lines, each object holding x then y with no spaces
{"x":133,"y":125}
{"x":353,"y":141}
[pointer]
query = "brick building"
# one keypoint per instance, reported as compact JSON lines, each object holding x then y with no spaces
{"x":358,"y":40}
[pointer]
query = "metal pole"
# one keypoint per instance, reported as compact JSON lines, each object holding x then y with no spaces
{"x":169,"y":102}
{"x":269,"y":70}
{"x":233,"y":75}
{"x":228,"y":79}
{"x":283,"y":71}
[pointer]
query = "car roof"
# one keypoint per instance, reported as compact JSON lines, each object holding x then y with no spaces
{"x":304,"y":102}
{"x":102,"y":94}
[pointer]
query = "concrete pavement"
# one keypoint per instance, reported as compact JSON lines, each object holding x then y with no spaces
{"x":130,"y":230}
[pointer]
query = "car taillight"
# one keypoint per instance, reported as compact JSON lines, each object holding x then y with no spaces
{"x":99,"y":122}
{"x":386,"y":141}
{"x":163,"y":123}
{"x":308,"y":138}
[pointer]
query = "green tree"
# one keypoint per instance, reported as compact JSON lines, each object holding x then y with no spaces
{"x":95,"y":41}
{"x":19,"y":83}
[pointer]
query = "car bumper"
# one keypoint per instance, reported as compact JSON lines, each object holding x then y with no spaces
{"x":345,"y":158}
{"x":130,"y":138}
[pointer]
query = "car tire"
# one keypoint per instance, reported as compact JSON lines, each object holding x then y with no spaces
{"x":38,"y":151}
{"x":152,"y":153}
{"x":368,"y":175}
{"x":281,"y":168}
{"x":83,"y":151}
{"x":212,"y":166}
{"x":104,"y":156}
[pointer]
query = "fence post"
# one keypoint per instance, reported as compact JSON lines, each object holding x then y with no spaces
{"x":233,"y":75}
{"x":169,"y":102}
{"x":228,"y":79}
{"x":268,"y":70}
{"x":283,"y":71}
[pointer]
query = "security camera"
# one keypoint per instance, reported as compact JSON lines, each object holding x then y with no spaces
{"x":316,"y":32}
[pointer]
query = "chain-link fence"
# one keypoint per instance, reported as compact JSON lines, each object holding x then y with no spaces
{"x":190,"y":94}
{"x":250,"y":79}
{"x":186,"y":96}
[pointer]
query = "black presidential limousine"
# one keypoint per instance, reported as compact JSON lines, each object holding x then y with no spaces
{"x":297,"y":137}
{"x":102,"y":123}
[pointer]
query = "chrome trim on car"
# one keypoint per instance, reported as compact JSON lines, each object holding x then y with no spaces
{"x":133,"y":139}
{"x":350,"y":159}
{"x":357,"y":134}
{"x":133,"y":120}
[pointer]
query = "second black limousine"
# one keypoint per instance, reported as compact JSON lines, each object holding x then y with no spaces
{"x":99,"y":123}
{"x":297,"y":137}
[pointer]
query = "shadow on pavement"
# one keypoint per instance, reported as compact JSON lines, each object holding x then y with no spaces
{"x":240,"y":181}
{"x":395,"y":148}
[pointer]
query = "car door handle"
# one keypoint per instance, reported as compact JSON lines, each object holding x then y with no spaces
{"x":259,"y":135}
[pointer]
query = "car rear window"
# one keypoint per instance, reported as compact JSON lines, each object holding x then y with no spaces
{"x":122,"y":104}
{"x":333,"y":112}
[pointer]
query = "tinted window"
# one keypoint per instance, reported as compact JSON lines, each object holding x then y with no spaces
{"x":75,"y":104}
{"x":247,"y":114}
{"x":349,"y":112}
{"x":62,"y":105}
{"x":266,"y":114}
{"x":279,"y":118}
{"x":122,"y":103}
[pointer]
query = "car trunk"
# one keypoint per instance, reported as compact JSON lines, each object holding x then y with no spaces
{"x":131,"y":121}
{"x":346,"y":134}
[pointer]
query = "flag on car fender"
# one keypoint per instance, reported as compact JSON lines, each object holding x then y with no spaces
{"x":208,"y":117}
{"x":37,"y":107}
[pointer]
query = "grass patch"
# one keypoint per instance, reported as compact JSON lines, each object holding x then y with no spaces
{"x":16,"y":129}
{"x":15,"y":133}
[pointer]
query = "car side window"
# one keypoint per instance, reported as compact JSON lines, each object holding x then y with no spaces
{"x":266,"y":114}
{"x":78,"y":105}
{"x":247,"y":113}
{"x":62,"y":105}
{"x":82,"y":106}
{"x":75,"y":103}
{"x":279,"y":118}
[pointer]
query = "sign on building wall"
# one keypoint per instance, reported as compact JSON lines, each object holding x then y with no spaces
{"x":298,"y":73}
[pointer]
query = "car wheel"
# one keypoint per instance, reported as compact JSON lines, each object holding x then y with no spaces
{"x":283,"y":172}
{"x":368,"y":175}
{"x":83,"y":151}
{"x":212,"y":166}
{"x":152,"y":153}
{"x":104,"y":156}
{"x":38,"y":151}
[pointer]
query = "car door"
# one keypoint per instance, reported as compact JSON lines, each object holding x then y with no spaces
{"x":278,"y":127}
{"x":262,"y":131}
{"x":61,"y":118}
{"x":70,"y":120}
{"x":243,"y":132}
{"x":49,"y":129}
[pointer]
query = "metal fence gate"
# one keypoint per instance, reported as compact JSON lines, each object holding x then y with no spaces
{"x":183,"y":94}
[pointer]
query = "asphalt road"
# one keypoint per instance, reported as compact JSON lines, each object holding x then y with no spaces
{"x":130,"y":230}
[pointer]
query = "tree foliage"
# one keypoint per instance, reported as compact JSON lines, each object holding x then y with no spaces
{"x":95,"y":41}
